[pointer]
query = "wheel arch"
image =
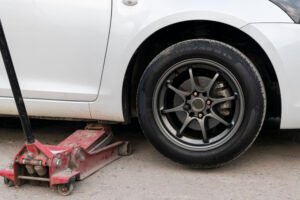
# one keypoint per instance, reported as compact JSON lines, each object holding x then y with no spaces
{"x":177,"y":32}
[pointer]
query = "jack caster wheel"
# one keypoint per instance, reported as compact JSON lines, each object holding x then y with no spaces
{"x":8,"y":182}
{"x":65,"y":189}
{"x":125,"y":149}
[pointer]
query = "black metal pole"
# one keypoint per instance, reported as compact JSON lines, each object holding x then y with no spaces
{"x":9,"y":66}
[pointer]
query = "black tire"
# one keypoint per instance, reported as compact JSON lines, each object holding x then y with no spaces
{"x":65,"y":189}
{"x":8,"y":182}
{"x":162,"y":129}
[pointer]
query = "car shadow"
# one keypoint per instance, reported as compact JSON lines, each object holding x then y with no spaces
{"x":269,"y":148}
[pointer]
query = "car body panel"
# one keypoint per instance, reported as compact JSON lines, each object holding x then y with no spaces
{"x":58,"y":47}
{"x":130,"y":27}
{"x":281,"y":43}
{"x":48,"y":109}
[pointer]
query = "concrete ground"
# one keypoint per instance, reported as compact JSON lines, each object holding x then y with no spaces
{"x":269,"y":170}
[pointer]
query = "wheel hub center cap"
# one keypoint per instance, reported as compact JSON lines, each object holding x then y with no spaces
{"x":198,"y":104}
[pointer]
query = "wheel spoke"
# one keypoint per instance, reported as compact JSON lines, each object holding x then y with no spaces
{"x":175,"y":109}
{"x":221,"y":100}
{"x":218,"y":118}
{"x":180,"y":93}
{"x":203,"y":130}
{"x":212,"y":82}
{"x":192,"y":79}
{"x":186,"y":122}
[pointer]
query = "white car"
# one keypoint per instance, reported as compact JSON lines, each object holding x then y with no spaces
{"x":201,"y":76}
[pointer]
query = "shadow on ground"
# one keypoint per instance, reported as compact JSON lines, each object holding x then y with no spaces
{"x":268,"y":170}
{"x":52,"y":132}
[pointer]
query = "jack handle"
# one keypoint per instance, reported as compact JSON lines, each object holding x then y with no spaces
{"x":13,"y":80}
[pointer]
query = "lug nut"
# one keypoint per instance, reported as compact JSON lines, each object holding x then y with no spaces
{"x":208,"y":102}
{"x":195,"y":94}
{"x":200,"y":115}
{"x":186,"y":107}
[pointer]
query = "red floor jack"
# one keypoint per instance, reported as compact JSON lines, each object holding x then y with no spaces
{"x":75,"y":158}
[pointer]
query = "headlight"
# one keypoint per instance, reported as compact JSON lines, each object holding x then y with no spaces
{"x":291,"y":7}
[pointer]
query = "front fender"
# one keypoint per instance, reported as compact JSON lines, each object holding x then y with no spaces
{"x":132,"y":25}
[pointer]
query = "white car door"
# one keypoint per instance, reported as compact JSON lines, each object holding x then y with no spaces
{"x":58,"y":47}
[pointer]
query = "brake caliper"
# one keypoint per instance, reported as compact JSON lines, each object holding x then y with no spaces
{"x":221,"y":91}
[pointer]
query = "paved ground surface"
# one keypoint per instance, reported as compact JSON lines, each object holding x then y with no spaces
{"x":269,"y":170}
